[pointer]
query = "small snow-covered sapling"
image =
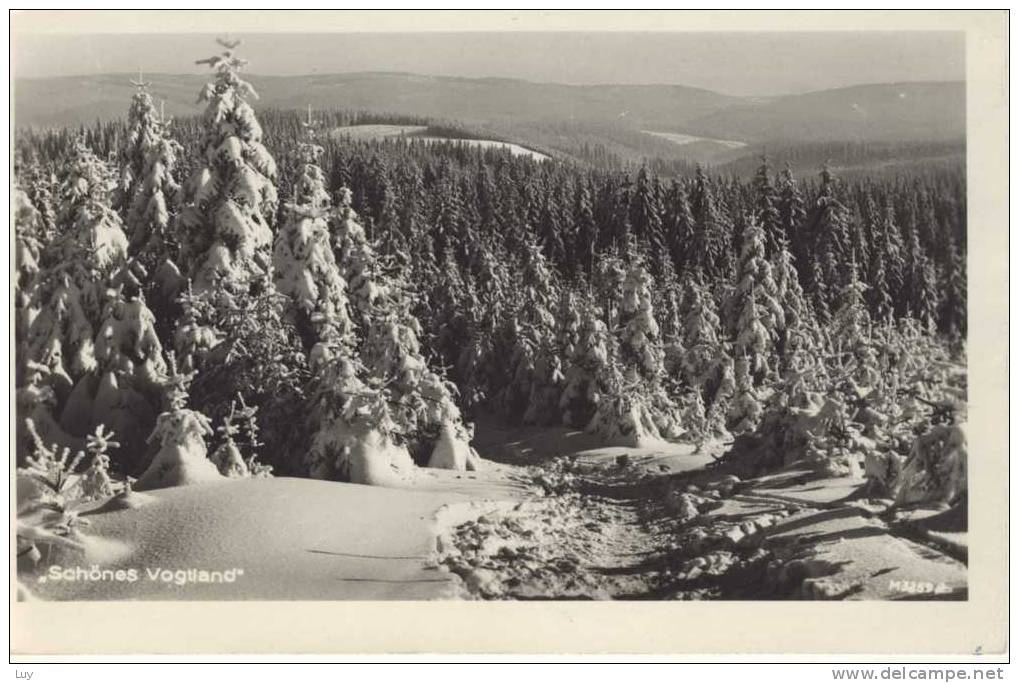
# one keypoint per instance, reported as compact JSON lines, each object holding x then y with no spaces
{"x":96,"y":483}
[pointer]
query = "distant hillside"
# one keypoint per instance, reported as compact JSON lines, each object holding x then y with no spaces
{"x":600,"y":124}
{"x":73,"y":100}
{"x":847,"y":159}
{"x":892,"y":112}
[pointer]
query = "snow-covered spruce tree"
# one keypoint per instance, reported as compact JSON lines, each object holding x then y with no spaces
{"x":879,"y":297}
{"x":753,"y":339}
{"x":953,"y":306}
{"x":149,"y":195}
{"x":707,"y":365}
{"x":75,"y":268}
{"x":227,"y":457}
{"x":143,"y":124}
{"x":634,"y":406}
{"x":745,"y":410}
{"x":792,"y":215}
{"x":356,"y":437}
{"x":423,"y":405}
{"x":481,"y":367}
{"x":641,"y":348}
{"x":712,"y":231}
{"x":27,"y":248}
{"x":830,"y":240}
{"x":567,"y":321}
{"x":701,"y":333}
{"x":851,"y":321}
{"x":756,"y":315}
{"x":766,"y":202}
{"x":537,"y":368}
{"x":180,"y":436}
{"x":695,"y":419}
{"x":234,"y":329}
{"x":586,"y":367}
{"x":305,"y":268}
{"x":40,"y":184}
{"x":95,"y":481}
{"x":795,"y":310}
{"x":230,"y":199}
{"x":669,"y":307}
{"x":851,"y":332}
{"x":125,"y":390}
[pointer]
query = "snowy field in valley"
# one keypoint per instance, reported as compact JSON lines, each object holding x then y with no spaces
{"x":374,"y":131}
{"x":684,"y":139}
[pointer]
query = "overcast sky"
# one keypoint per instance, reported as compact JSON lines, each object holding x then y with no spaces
{"x":731,"y":63}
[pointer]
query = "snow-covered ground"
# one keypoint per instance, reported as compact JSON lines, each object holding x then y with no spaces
{"x":373,"y":131}
{"x":684,"y":139}
{"x":550,"y":515}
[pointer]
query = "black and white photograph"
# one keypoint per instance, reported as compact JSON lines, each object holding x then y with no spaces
{"x":490,"y":315}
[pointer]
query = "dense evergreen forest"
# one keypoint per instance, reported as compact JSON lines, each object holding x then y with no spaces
{"x":303,"y":300}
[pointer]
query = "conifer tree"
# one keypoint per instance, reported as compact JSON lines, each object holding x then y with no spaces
{"x":701,"y":333}
{"x":143,"y":133}
{"x":851,"y":322}
{"x":645,"y":211}
{"x":39,"y":184}
{"x":830,"y":237}
{"x":153,"y":197}
{"x":852,"y":331}
{"x":390,"y":349}
{"x":766,"y":203}
{"x":586,"y":231}
{"x":537,"y":375}
{"x":125,"y":391}
{"x":792,"y":216}
{"x":305,"y":267}
{"x":75,"y":268}
{"x":641,"y":351}
{"x":27,"y":248}
{"x":586,"y":370}
{"x":707,"y":365}
{"x":147,"y":196}
{"x":795,"y":310}
{"x":230,"y":199}
{"x":745,"y":410}
{"x":180,"y":436}
{"x":679,"y":227}
{"x":755,"y":311}
{"x":669,"y":306}
{"x":953,"y":306}
{"x":711,"y":235}
{"x":233,"y":325}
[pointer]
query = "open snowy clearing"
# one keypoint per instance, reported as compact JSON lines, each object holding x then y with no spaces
{"x":375,"y":131}
{"x":515,"y":150}
{"x":293,"y":539}
{"x":551,"y":514}
{"x":684,"y":139}
{"x":371,"y":131}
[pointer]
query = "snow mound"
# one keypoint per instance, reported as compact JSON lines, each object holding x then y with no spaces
{"x":376,"y":461}
{"x":619,"y":424}
{"x":936,"y":468}
{"x":181,"y":458}
{"x":452,"y":453}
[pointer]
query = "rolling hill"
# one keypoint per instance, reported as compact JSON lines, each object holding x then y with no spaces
{"x":73,"y":100}
{"x":890,"y":112}
{"x":625,"y":123}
